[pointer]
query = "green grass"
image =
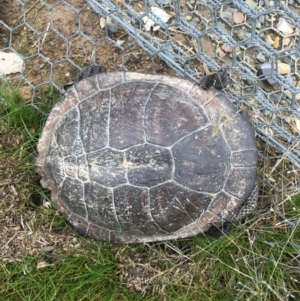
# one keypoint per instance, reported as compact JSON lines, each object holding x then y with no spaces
{"x":257,"y":260}
{"x":21,"y":121}
{"x":83,"y":276}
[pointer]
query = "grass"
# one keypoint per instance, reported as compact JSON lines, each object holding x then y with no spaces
{"x":257,"y":260}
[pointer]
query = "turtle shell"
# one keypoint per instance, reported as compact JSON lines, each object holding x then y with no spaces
{"x":132,"y":157}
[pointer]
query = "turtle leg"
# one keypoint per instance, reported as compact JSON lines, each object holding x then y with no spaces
{"x":218,"y":80}
{"x":250,"y":203}
{"x":89,"y":71}
{"x":247,"y":207}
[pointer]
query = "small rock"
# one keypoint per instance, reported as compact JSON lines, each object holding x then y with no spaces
{"x":188,"y":17}
{"x":251,"y":3}
{"x":102,"y":22}
{"x":258,"y":25}
{"x":275,"y":98}
{"x":284,"y":26}
{"x":261,"y":19}
{"x":221,"y":26}
{"x":238,"y":18}
{"x":284,"y":68}
{"x":266,"y":70}
{"x":221,"y":53}
{"x":240,"y":34}
{"x":226,"y":48}
{"x":286,"y":41}
{"x":260,"y":57}
{"x":269,"y":40}
{"x":10,"y":63}
{"x":113,"y":28}
{"x":276,"y":42}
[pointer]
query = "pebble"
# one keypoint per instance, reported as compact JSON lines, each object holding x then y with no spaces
{"x":113,"y":28}
{"x":275,"y":98}
{"x":269,"y":40}
{"x":188,"y":17}
{"x":251,"y":3}
{"x":164,"y":2}
{"x":286,"y":41}
{"x":260,"y":57}
{"x":238,"y":18}
{"x":10,"y":63}
{"x":258,"y":25}
{"x":226,"y":48}
{"x":284,"y":26}
{"x":266,"y":70}
{"x":221,"y":26}
{"x":284,"y":68}
{"x":240,"y":34}
{"x":261,"y":19}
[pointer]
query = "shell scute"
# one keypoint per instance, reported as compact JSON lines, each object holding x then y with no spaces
{"x":173,"y":206}
{"x":201,"y":160}
{"x":132,"y":208}
{"x":93,"y":122}
{"x":168,"y":121}
{"x":127,"y":114}
{"x":106,"y":167}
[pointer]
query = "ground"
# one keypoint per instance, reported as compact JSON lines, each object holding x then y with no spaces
{"x":30,"y":225}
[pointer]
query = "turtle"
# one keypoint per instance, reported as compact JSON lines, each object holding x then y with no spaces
{"x":133,"y":158}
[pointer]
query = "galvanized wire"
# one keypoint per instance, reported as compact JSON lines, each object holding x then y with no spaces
{"x":177,"y":59}
{"x":272,"y":120}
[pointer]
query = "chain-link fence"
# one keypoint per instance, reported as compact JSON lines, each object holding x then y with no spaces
{"x":256,"y":40}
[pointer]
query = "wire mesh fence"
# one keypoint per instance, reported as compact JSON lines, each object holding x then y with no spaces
{"x":257,"y":41}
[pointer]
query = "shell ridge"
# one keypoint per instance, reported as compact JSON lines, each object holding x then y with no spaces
{"x":115,"y":210}
{"x":144,"y":112}
{"x":84,"y":153}
{"x":108,"y":118}
{"x":150,"y":213}
{"x":199,"y":129}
